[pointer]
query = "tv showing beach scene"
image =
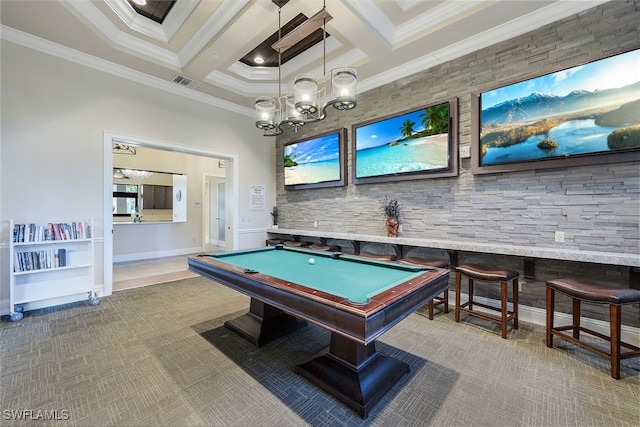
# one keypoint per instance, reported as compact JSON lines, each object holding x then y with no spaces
{"x":315,"y":162}
{"x":585,"y":110}
{"x":410,"y":143}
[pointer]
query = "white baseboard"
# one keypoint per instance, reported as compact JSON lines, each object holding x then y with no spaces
{"x":156,"y":254}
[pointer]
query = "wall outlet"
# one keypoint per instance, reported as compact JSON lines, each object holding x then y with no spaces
{"x":465,"y":152}
{"x":400,"y":228}
{"x":315,"y":224}
{"x":559,"y":236}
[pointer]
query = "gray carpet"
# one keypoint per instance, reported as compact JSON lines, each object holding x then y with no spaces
{"x":160,"y":355}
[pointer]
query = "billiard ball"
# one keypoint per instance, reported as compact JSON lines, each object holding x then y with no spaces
{"x":312,"y":261}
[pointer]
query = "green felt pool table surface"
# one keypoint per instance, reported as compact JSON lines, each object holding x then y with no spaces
{"x":352,"y":278}
{"x":356,"y":299}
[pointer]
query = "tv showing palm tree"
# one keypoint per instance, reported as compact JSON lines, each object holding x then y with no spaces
{"x":315,"y":162}
{"x":410,"y":145}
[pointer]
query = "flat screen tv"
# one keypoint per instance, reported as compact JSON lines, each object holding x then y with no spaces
{"x":583,"y":115}
{"x":413,"y":144}
{"x":316,"y":162}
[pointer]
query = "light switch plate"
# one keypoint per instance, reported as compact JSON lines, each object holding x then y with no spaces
{"x":465,"y":152}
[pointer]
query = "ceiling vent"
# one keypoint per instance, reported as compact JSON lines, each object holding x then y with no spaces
{"x":185,"y":82}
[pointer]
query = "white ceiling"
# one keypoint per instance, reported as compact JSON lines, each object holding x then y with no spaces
{"x":204,"y":39}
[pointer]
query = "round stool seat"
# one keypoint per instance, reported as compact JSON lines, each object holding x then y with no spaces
{"x":378,"y":257}
{"x":412,"y":260}
{"x":296,"y":244}
{"x":482,"y":272}
{"x":321,"y":247}
{"x":588,"y":290}
{"x":274,"y":242}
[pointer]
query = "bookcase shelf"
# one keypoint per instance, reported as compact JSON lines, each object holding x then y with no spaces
{"x":48,"y":262}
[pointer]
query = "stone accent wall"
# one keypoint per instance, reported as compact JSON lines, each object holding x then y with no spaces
{"x":597,"y":206}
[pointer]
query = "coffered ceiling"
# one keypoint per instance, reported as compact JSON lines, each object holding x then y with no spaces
{"x":203,"y":41}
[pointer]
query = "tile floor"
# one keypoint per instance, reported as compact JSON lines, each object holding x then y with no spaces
{"x":134,"y":274}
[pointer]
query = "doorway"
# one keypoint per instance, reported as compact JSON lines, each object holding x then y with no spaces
{"x":230,"y":196}
{"x":214,"y":218}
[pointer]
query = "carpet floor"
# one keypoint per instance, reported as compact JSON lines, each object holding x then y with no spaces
{"x":160,"y":356}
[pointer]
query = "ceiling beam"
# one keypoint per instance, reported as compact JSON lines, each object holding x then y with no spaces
{"x":302,"y":31}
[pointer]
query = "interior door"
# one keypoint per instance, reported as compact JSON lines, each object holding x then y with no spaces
{"x":221,"y":212}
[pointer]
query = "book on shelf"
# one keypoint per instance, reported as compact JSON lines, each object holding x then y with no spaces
{"x":27,"y":233}
{"x":39,"y":260}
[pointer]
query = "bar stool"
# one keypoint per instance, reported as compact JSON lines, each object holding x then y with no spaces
{"x":585,"y":290}
{"x":488,"y":274}
{"x":436,"y":301}
{"x":274,"y":242}
{"x":323,"y":247}
{"x":378,"y":257}
{"x":296,"y":243}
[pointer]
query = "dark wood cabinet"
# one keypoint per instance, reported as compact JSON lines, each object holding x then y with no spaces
{"x":157,"y":197}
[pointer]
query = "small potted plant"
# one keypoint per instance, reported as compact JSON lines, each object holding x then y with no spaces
{"x":392,"y":214}
{"x":274,"y":214}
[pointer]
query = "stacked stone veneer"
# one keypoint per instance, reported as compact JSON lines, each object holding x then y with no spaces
{"x":597,"y":206}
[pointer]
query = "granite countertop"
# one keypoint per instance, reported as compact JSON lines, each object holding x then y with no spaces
{"x":560,"y":253}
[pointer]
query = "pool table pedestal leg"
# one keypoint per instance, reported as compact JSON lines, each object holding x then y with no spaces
{"x":353,"y":373}
{"x":264,"y":323}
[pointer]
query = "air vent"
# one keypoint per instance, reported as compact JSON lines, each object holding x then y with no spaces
{"x":185,"y":81}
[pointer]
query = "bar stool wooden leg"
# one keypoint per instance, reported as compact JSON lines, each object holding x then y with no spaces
{"x":470,"y":293}
{"x":550,"y":312}
{"x":515,"y":303}
{"x":503,"y":308}
{"x":446,"y":301}
{"x":458,"y":280}
{"x":615,"y":317}
{"x":576,"y":318}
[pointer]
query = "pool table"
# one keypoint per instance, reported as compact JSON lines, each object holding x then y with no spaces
{"x":355,"y":298}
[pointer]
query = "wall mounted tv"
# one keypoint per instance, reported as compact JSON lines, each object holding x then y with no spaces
{"x":584,"y":115}
{"x":413,"y":144}
{"x":316,"y":162}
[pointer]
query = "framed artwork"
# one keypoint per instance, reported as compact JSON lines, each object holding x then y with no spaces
{"x":414,"y":144}
{"x":587,"y":114}
{"x":316,"y":162}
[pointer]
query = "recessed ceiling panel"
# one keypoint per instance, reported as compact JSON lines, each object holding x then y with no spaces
{"x":270,"y":56}
{"x":156,"y":10}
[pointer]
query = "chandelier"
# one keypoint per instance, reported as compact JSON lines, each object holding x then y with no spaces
{"x":311,"y":97}
{"x":132,"y":174}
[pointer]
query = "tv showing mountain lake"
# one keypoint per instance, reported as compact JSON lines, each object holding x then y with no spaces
{"x":316,"y":162}
{"x":409,"y":145}
{"x":586,"y":110}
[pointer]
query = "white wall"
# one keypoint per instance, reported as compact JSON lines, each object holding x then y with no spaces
{"x":54,"y":115}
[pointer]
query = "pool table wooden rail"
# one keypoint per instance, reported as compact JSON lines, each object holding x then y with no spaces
{"x":363,"y":323}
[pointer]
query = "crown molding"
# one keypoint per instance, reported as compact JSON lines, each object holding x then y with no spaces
{"x":530,"y":22}
{"x":47,"y":47}
{"x":94,"y":18}
{"x":162,"y":32}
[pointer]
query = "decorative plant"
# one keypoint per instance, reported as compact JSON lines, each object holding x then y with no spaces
{"x":391,"y":208}
{"x":274,"y":214}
